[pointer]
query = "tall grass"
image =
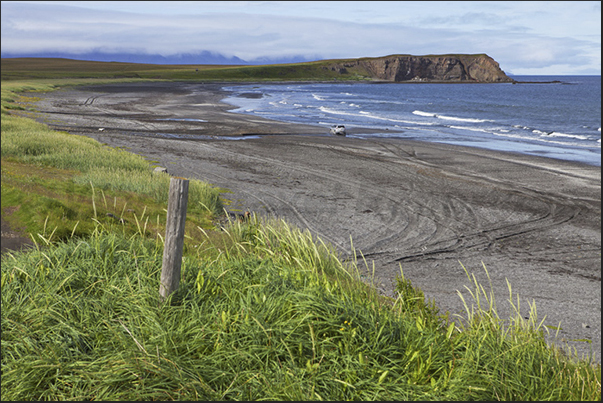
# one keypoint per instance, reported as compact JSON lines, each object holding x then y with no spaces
{"x":83,"y":320}
{"x":146,"y":182}
{"x":33,"y":142}
{"x":28,"y":141}
{"x":509,"y":359}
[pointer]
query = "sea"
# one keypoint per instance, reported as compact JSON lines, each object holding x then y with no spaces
{"x":552,"y":116}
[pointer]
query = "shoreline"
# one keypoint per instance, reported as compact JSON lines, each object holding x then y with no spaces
{"x":532,"y":147}
{"x":407,"y":205}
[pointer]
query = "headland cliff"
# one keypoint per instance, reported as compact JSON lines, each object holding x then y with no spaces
{"x":479,"y":68}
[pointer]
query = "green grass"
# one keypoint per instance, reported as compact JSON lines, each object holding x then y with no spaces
{"x":83,"y":320}
{"x":263,"y":311}
{"x":61,"y":184}
{"x":64,"y":69}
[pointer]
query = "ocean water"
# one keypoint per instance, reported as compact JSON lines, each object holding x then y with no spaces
{"x":558,"y":120}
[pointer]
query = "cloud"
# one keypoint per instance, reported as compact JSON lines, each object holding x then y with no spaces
{"x":49,"y":28}
{"x":478,"y":19}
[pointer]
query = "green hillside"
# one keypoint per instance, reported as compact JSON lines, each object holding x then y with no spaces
{"x":41,"y":68}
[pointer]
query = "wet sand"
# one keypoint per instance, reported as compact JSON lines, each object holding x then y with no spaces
{"x":423,"y":208}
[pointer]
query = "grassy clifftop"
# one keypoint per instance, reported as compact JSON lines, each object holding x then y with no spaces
{"x":33,"y":68}
{"x":396,"y":68}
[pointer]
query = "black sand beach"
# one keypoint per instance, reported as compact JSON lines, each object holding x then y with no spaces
{"x":423,"y":208}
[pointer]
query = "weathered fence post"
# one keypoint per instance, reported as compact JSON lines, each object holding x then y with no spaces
{"x":174,"y":237}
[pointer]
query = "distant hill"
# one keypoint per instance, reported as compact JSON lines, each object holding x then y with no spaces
{"x":204,"y":57}
{"x":479,"y":68}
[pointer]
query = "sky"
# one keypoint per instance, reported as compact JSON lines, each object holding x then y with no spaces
{"x":524,"y":37}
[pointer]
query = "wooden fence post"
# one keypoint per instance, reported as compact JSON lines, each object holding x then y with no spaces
{"x":174,"y":237}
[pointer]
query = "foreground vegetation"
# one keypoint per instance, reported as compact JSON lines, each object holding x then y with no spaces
{"x":264,"y":310}
{"x":275,"y":316}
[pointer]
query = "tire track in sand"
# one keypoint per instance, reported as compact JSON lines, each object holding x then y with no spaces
{"x":425,"y":231}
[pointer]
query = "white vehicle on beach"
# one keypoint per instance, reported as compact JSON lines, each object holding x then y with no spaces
{"x":338,"y":130}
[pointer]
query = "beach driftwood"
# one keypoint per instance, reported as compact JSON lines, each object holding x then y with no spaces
{"x":174,"y":237}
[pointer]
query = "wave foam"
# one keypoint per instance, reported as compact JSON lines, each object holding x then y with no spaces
{"x":573,"y":136}
{"x":369,"y":115}
{"x":444,"y":117}
{"x":427,"y":114}
{"x":470,"y":120}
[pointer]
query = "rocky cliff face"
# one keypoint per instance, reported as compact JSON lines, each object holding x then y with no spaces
{"x":449,"y":68}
